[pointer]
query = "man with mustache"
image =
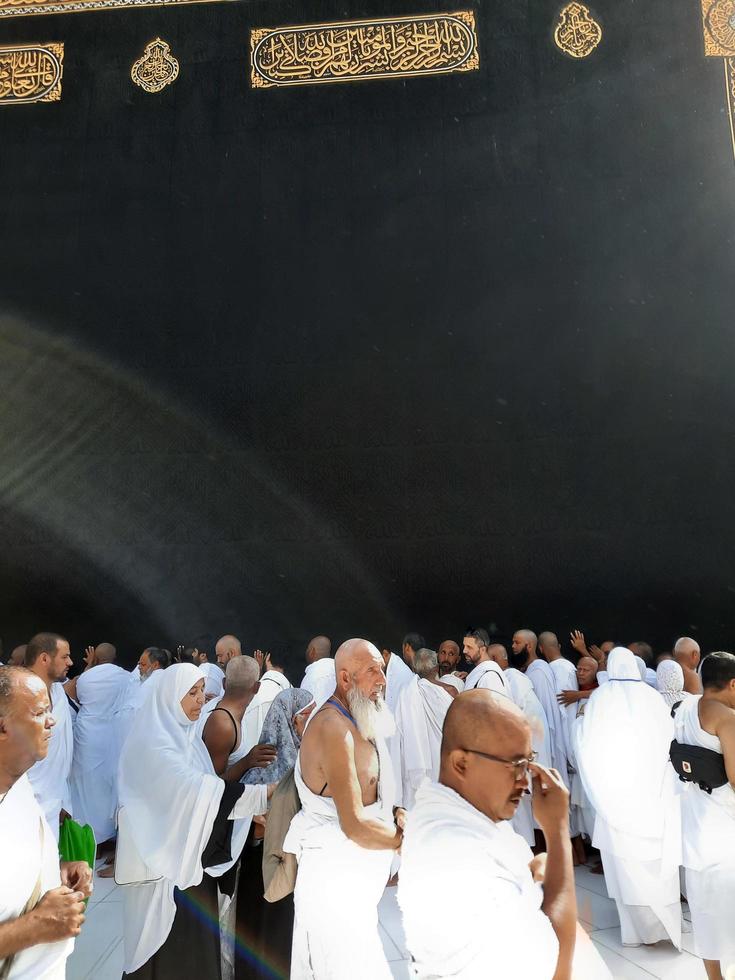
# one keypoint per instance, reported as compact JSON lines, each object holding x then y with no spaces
{"x":485,"y":672}
{"x":41,"y":902}
{"x":461,"y":851}
{"x":347,"y":832}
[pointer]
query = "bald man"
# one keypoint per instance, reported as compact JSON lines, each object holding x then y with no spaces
{"x":347,"y":832}
{"x":319,"y":678}
{"x":448,"y":657}
{"x":227,"y":647}
{"x":687,"y":655}
{"x":461,"y":852}
{"x":524,"y":657}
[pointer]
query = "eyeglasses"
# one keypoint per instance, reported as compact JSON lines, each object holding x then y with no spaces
{"x":519,"y":766}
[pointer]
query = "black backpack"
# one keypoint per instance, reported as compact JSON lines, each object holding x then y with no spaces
{"x":695,"y":764}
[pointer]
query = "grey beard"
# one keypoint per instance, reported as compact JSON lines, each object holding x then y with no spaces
{"x":372,"y":718}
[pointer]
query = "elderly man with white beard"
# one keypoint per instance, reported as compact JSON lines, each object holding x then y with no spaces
{"x":347,"y":831}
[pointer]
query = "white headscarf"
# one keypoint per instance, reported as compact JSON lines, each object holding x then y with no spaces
{"x":214,"y":681}
{"x":167,"y":782}
{"x":670,"y":682}
{"x":622,"y":748}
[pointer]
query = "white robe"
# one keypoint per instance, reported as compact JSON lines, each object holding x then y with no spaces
{"x":422,"y":707}
{"x":708,"y":836}
{"x":271,"y":684}
{"x":49,"y":777}
{"x":338,"y":887}
{"x":455,"y":857}
{"x":214,"y":684}
{"x":522,"y":693}
{"x":622,"y":749}
{"x":488,"y":676}
{"x":166,"y":769}
{"x":96,"y":749}
{"x":542,"y":677}
{"x":397,"y":674}
{"x":21,"y":859}
{"x":320,"y":679}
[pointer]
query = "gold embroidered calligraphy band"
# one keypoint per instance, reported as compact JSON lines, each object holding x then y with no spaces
{"x":31,"y":73}
{"x":24,"y":8}
{"x":353,"y":50}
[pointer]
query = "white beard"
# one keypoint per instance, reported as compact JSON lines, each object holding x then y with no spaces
{"x":373,"y":719}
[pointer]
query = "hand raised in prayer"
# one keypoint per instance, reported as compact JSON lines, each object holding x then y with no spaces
{"x":597,"y":653}
{"x":550,"y":800}
{"x":59,"y":915}
{"x":77,"y":875}
{"x":576,"y":638}
{"x":268,"y":664}
{"x":261,"y":756}
{"x":90,"y":658}
{"x":258,"y":655}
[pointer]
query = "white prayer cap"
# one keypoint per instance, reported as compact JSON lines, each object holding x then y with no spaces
{"x":670,"y":682}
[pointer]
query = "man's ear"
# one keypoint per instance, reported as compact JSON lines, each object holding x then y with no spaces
{"x":458,"y":761}
{"x":4,"y":728}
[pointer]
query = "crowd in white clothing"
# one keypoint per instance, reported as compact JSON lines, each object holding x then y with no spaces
{"x":476,"y":773}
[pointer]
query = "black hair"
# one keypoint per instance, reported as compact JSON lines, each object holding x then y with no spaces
{"x":717,"y":670}
{"x":414,"y":640}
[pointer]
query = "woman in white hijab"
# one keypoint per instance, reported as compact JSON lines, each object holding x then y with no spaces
{"x":670,"y":683}
{"x":176,"y":821}
{"x":622,"y":749}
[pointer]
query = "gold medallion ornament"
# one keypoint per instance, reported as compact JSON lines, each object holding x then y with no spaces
{"x":31,"y":73}
{"x":395,"y":47}
{"x":157,"y":68}
{"x":577,"y":32}
{"x":718,"y":19}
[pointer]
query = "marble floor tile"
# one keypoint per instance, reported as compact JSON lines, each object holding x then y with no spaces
{"x":101,"y":932}
{"x":660,"y":960}
{"x":596,"y":910}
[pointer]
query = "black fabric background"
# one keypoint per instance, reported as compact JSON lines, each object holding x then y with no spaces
{"x":368,"y":357}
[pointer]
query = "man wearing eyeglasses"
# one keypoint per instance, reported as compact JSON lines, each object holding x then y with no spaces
{"x":519,"y":912}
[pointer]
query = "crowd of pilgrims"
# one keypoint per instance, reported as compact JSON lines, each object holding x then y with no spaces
{"x":254,"y":825}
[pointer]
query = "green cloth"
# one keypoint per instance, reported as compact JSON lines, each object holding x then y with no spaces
{"x":77,"y":843}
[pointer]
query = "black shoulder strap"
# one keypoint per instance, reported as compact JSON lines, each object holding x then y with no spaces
{"x":673,"y":709}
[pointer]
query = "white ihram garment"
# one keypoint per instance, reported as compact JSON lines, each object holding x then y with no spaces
{"x":488,"y":676}
{"x":708,"y":836}
{"x":338,"y":886}
{"x":622,"y":749}
{"x":543,"y":679}
{"x":453,"y":856}
{"x":397,"y":674}
{"x":49,"y":777}
{"x":21,"y":858}
{"x":320,"y":679}
{"x":271,"y":684}
{"x":522,"y":693}
{"x":96,"y":749}
{"x":422,"y":707}
{"x":171,"y":796}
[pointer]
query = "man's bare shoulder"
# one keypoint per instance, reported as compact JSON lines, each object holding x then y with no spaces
{"x":326,"y":726}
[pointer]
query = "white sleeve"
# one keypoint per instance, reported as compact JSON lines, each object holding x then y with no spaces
{"x":254,"y":800}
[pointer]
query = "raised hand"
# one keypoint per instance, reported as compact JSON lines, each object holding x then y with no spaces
{"x":90,"y":658}
{"x":576,"y":638}
{"x":597,"y":653}
{"x":550,"y":800}
{"x":258,"y":655}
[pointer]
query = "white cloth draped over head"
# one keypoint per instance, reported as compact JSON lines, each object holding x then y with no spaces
{"x":96,"y":749}
{"x":214,"y":680}
{"x":320,"y":679}
{"x":397,"y":673}
{"x":172,"y":795}
{"x":420,"y":713}
{"x":22,"y":856}
{"x":453,"y":856}
{"x":487,"y":675}
{"x":49,"y":777}
{"x":334,"y":938}
{"x":670,"y":682}
{"x":622,"y":749}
